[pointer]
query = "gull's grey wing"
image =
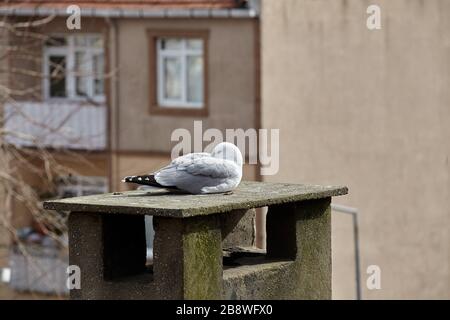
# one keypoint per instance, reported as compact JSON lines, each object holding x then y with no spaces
{"x":197,"y":172}
{"x":188,"y":158}
{"x":213,"y":167}
{"x":184,"y":160}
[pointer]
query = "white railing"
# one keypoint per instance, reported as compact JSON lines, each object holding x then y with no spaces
{"x":69,"y":125}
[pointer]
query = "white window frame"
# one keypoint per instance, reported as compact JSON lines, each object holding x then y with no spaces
{"x":183,"y":53}
{"x":69,"y":51}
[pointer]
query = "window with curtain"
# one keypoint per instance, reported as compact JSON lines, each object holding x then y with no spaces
{"x":180,"y":72}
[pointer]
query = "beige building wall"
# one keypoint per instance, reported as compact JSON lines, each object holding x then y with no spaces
{"x":368,"y":109}
{"x":231,"y":81}
{"x":141,"y":141}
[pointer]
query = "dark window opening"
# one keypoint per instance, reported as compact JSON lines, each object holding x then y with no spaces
{"x":57,"y":76}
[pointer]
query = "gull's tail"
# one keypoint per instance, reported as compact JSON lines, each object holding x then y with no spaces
{"x":148,"y":180}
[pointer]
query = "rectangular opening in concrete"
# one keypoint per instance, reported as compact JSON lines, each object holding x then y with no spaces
{"x":249,"y":265}
{"x":245,"y":254}
{"x":238,"y":256}
{"x":149,"y":238}
{"x":124,"y":247}
{"x":248,"y":256}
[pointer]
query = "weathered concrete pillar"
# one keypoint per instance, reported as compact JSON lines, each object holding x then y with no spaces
{"x":105,"y":247}
{"x":188,"y":257}
{"x":86,"y":251}
{"x":204,"y":244}
{"x":301,"y":231}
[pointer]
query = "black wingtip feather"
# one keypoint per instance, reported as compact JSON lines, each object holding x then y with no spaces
{"x":148,"y":180}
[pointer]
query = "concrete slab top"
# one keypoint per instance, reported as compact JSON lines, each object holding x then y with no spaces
{"x":161,"y":202}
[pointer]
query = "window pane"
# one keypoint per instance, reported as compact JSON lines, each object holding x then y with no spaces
{"x":99,"y":74}
{"x":81,"y":41}
{"x":96,"y":41}
{"x":57,"y":74}
{"x":170,"y":43}
{"x":172,"y":78}
{"x":195,"y":44}
{"x":82,"y":71}
{"x":195,"y":79}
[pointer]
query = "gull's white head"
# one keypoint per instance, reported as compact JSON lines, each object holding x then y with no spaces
{"x":228,"y":151}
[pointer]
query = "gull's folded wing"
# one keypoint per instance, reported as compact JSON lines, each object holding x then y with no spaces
{"x":197,"y":172}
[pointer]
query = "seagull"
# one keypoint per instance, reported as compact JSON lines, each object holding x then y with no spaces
{"x":199,"y":173}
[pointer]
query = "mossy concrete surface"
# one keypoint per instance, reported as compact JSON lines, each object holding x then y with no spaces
{"x":298,"y":260}
{"x":202,"y":255}
{"x":188,"y":258}
{"x":161,"y":202}
{"x":107,"y":242}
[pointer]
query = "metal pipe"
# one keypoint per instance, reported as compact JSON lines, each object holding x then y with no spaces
{"x":354,"y":213}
